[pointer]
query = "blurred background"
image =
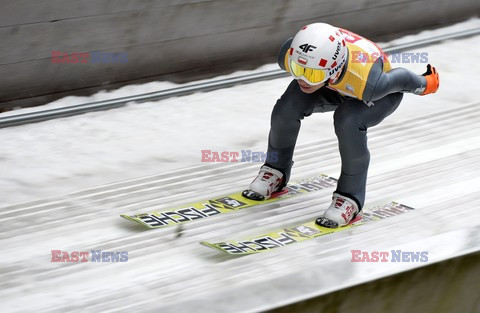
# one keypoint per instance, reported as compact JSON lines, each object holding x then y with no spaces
{"x":177,"y":40}
{"x":65,"y":179}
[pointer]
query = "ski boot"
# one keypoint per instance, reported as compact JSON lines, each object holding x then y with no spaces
{"x":342,"y":211}
{"x":268,"y":181}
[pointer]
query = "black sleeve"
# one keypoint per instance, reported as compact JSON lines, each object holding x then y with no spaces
{"x":282,"y":52}
{"x":379,"y":84}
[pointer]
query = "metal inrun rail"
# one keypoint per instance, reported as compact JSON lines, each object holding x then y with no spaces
{"x":21,"y":119}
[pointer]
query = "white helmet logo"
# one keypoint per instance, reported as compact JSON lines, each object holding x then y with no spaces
{"x":306,"y":47}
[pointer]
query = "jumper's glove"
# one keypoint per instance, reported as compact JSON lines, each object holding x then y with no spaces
{"x":433,"y":80}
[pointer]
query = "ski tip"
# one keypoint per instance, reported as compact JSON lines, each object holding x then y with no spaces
{"x":136,"y":221}
{"x":127,"y":217}
{"x":210,"y":245}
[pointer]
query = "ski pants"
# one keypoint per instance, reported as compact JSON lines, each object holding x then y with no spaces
{"x":352,"y":118}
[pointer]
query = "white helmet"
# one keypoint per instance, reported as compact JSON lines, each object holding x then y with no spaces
{"x":318,"y":51}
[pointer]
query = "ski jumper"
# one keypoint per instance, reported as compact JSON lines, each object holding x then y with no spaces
{"x":366,"y":92}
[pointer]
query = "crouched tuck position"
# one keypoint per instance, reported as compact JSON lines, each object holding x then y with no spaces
{"x":335,"y":70}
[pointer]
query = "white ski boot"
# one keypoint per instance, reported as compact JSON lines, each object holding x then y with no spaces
{"x":341,"y":212}
{"x":265,"y":184}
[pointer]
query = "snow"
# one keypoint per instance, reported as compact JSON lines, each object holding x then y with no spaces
{"x":425,"y":155}
{"x":61,"y":156}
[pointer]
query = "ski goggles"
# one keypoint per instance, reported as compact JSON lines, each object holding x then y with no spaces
{"x":313,"y":76}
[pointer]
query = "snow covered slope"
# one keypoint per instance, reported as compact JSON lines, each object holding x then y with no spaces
{"x":425,"y":155}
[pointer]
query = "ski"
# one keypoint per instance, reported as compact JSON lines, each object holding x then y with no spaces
{"x":304,"y":231}
{"x":232,"y":202}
